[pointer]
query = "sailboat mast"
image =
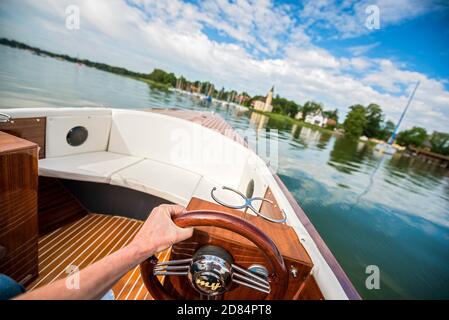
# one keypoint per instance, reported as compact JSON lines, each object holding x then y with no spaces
{"x":396,"y":129}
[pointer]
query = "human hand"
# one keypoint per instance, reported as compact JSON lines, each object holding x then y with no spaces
{"x":159,"y":231}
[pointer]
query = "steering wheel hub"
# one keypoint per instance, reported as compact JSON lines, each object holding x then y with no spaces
{"x":211,"y":270}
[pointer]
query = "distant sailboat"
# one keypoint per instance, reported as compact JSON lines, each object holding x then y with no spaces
{"x":387,"y":148}
{"x":209,"y":93}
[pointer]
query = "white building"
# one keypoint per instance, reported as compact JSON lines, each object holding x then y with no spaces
{"x":316,"y":118}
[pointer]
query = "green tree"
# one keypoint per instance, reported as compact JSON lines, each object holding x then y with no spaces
{"x":170,"y":79}
{"x":356,"y":121}
{"x":284,"y":106}
{"x":158,"y":75}
{"x":440,"y":142}
{"x":374,"y":117}
{"x":182,"y":82}
{"x":332,"y":114}
{"x":246,"y":99}
{"x":205,"y":87}
{"x":310,"y":107}
{"x":386,"y":130}
{"x":412,"y":137}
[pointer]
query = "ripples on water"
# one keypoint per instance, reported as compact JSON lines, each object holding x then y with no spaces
{"x":389,"y":211}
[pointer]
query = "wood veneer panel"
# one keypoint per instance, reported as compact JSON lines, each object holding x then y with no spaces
{"x":271,"y":210}
{"x":56,"y":205}
{"x":31,"y":129}
{"x":310,"y":290}
{"x":18,"y":207}
{"x":283,"y":235}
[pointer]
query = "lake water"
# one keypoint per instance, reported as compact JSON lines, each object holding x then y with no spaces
{"x":388,"y":211}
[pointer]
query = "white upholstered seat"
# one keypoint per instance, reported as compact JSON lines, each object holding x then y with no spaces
{"x":162,"y":180}
{"x":92,"y":166}
{"x":156,"y":154}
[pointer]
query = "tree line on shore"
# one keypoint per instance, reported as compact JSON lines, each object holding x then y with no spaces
{"x":369,"y":121}
{"x":366,"y":121}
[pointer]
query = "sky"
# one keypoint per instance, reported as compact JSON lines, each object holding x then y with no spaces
{"x":331,"y":52}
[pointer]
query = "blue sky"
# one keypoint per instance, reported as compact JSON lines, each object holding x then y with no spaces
{"x":311,"y":50}
{"x":422,"y":43}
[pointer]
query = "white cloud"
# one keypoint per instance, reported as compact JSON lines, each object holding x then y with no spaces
{"x":346,"y":19}
{"x":360,"y":50}
{"x":172,"y":35}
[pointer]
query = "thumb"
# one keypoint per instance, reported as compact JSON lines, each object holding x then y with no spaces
{"x":184,"y":233}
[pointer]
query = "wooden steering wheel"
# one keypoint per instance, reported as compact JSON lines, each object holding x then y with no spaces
{"x":211,"y":270}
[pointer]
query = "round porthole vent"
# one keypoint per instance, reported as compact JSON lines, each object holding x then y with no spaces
{"x":77,"y":136}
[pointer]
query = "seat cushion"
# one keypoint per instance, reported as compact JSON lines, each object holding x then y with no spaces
{"x":162,"y":180}
{"x":177,"y":142}
{"x":92,"y":166}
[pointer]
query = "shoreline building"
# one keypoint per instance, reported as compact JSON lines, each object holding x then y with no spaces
{"x":317,"y":118}
{"x":266,"y":105}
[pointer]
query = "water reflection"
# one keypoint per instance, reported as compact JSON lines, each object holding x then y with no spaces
{"x":258,"y":121}
{"x":309,"y":137}
{"x":347,"y":155}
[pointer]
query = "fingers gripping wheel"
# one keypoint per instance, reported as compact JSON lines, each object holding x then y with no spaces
{"x":211,"y":270}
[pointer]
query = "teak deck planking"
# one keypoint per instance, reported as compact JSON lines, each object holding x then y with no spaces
{"x":86,"y":241}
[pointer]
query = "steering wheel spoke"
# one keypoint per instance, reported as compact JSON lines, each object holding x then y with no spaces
{"x":173,"y":268}
{"x":249,"y":279}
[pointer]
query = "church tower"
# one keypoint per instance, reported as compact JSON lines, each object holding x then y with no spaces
{"x":268,"y":106}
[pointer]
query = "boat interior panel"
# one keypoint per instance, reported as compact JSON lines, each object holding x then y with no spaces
{"x":31,"y":129}
{"x":133,"y":161}
{"x":58,"y":127}
{"x":112,"y":200}
{"x":18,"y":208}
{"x":178,"y":143}
{"x":57,"y":206}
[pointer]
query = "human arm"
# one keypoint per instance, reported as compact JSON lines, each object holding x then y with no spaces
{"x":157,"y":233}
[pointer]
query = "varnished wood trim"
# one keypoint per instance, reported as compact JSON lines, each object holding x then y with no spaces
{"x":56,"y":205}
{"x":18,"y":207}
{"x":31,"y":129}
